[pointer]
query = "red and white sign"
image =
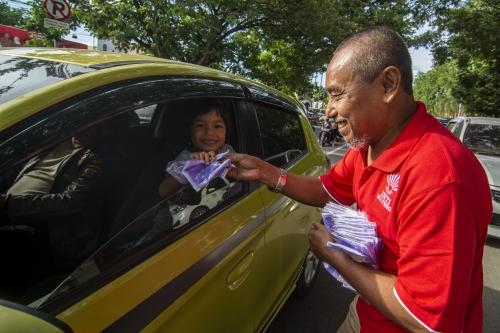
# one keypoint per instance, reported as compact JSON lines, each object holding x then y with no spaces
{"x":58,"y":9}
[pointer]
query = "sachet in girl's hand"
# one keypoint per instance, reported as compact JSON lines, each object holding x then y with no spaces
{"x":197,"y":173}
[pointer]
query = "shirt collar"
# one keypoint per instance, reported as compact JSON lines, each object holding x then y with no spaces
{"x":399,"y":150}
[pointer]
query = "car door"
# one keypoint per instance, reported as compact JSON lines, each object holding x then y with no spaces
{"x":284,"y":145}
{"x":201,"y":277}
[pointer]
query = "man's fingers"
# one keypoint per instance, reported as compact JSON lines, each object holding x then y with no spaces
{"x":237,"y":158}
{"x":316,"y":225}
{"x":239,"y":173}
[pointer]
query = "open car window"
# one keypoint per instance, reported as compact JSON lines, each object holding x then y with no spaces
{"x":138,"y":223}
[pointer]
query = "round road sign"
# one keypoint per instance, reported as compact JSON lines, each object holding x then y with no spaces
{"x":58,"y":9}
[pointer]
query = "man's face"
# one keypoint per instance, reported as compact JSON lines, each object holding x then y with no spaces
{"x":353,"y":104}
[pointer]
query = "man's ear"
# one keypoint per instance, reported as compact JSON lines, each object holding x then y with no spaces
{"x":391,"y":81}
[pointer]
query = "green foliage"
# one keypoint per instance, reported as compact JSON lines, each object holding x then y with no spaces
{"x":318,"y":93}
{"x":40,"y":42}
{"x":279,"y":42}
{"x":11,"y":16}
{"x":436,"y":88}
{"x":470,"y":35}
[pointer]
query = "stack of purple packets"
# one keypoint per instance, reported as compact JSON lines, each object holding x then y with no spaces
{"x":197,"y":173}
{"x":353,"y":234}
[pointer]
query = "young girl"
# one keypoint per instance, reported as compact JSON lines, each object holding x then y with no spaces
{"x":209,"y":129}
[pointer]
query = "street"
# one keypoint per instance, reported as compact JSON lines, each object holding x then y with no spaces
{"x":324,"y":308}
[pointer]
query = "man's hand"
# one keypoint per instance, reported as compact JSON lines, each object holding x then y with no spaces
{"x":249,"y":168}
{"x":318,"y":237}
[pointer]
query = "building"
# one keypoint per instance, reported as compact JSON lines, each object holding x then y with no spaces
{"x":12,"y":36}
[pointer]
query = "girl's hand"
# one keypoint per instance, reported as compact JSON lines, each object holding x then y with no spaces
{"x":205,"y":156}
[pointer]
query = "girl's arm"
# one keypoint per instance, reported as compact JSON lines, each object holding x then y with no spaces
{"x":168,"y":186}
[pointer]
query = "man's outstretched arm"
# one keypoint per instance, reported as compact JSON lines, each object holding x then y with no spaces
{"x":307,"y":190}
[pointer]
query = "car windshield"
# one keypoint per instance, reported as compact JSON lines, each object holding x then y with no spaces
{"x":24,"y":75}
{"x":483,"y":139}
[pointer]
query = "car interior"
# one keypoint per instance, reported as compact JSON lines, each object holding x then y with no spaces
{"x":143,"y":141}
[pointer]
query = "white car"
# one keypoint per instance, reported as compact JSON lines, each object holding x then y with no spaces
{"x":482,"y":136}
{"x":211,"y":195}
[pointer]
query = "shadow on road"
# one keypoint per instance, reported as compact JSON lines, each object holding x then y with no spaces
{"x":322,"y":310}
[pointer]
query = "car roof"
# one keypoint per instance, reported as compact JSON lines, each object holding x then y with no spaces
{"x":84,"y":58}
{"x":479,"y":120}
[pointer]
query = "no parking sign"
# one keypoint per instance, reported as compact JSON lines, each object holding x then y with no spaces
{"x":58,"y":9}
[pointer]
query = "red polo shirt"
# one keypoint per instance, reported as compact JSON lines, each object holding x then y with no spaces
{"x":431,"y":201}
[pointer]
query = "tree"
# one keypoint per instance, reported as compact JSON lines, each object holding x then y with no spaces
{"x":436,"y":88}
{"x":470,"y":35}
{"x":11,"y":16}
{"x":280,"y":42}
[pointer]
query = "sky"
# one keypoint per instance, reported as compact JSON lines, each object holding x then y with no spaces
{"x":421,"y":60}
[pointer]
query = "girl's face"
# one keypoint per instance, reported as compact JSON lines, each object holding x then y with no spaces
{"x":208,"y":131}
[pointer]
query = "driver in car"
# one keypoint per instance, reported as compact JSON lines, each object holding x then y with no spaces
{"x":50,"y":213}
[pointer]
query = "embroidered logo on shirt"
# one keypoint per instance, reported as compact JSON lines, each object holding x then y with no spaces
{"x":392,"y":186}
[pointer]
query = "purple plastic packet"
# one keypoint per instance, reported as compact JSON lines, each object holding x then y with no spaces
{"x":353,"y":234}
{"x":175,"y":170}
{"x":197,"y":173}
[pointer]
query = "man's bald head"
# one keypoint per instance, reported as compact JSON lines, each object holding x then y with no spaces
{"x":372,"y":50}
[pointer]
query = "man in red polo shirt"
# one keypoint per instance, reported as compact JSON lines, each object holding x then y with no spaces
{"x":427,"y":193}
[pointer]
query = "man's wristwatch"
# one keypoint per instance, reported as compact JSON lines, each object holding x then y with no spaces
{"x":281,"y":182}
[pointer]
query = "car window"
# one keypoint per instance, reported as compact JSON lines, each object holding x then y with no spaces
{"x":483,"y":139}
{"x":456,"y":127}
{"x":282,"y":136}
{"x":143,"y":223}
{"x":142,"y":116}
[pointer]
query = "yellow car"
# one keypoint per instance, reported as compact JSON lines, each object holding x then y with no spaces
{"x":87,"y":243}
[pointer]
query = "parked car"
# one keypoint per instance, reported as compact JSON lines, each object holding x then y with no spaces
{"x":229,"y":268}
{"x":482,"y":136}
{"x":444,"y":121}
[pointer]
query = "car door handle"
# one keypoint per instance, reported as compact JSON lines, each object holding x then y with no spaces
{"x":240,"y":273}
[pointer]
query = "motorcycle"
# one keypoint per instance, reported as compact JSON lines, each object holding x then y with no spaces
{"x":329,"y":134}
